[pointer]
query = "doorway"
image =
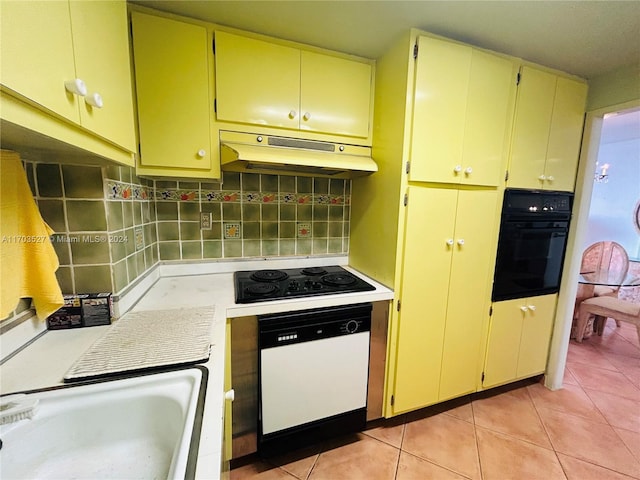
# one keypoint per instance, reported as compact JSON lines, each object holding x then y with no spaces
{"x":594,"y":133}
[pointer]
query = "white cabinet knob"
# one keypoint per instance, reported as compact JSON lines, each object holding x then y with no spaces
{"x":292,"y":114}
{"x":94,"y":99}
{"x":550,"y":178}
{"x":457,"y":168}
{"x":230,"y":395}
{"x":76,"y":86}
{"x":468,"y":170}
{"x":524,"y":308}
{"x":542,"y":178}
{"x":306,"y":116}
{"x":461,"y":241}
{"x":201,"y":153}
{"x":450,"y":242}
{"x":532,"y":308}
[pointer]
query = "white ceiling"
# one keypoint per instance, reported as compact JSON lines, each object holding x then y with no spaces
{"x":585,"y":38}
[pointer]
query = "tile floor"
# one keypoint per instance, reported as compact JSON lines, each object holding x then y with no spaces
{"x":588,"y":430}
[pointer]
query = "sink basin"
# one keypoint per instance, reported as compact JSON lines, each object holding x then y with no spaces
{"x":146,"y":426}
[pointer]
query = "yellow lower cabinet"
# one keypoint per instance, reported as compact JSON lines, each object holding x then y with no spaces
{"x":536,"y":335}
{"x":443,"y":294}
{"x":519,"y":336}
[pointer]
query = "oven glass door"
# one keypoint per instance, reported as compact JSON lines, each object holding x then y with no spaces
{"x":530,"y":258}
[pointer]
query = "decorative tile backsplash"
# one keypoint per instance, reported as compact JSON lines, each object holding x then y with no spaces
{"x":112,"y":226}
{"x":104,"y":222}
{"x":253,"y":215}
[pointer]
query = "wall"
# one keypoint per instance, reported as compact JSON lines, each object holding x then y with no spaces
{"x":104,"y":223}
{"x":253,"y":216}
{"x":614,"y":88}
{"x":612,"y":203}
{"x":111,"y":226}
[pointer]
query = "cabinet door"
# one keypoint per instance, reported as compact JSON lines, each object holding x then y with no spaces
{"x":425,"y":283}
{"x":487,"y":129}
{"x":468,"y":291}
{"x":335,"y":95}
{"x":536,"y":335}
{"x":257,"y":82}
{"x":101,"y":49}
{"x":440,"y":103}
{"x":172,"y":83}
{"x":534,"y":107}
{"x":37,"y":54}
{"x":566,"y":134}
{"x":503,"y":346}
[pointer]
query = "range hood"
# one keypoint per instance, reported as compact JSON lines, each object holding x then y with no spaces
{"x":245,"y":152}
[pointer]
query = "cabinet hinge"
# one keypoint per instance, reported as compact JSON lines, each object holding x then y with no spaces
{"x":213,"y":45}
{"x":506,"y":175}
{"x":215,"y":105}
{"x":518,"y":77}
{"x":491,"y":310}
{"x":482,"y":378}
{"x":393,"y":400}
{"x":408,"y":167}
{"x":406,"y":199}
{"x":398,"y":306}
{"x":415,"y":51}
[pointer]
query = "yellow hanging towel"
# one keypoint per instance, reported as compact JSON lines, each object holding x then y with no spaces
{"x":27,"y":259}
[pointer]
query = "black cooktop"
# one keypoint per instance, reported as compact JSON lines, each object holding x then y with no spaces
{"x":264,"y":285}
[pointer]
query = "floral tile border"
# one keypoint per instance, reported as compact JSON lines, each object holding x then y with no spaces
{"x":231,"y":196}
{"x":116,"y":190}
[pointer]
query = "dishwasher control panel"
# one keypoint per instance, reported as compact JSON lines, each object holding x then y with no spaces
{"x":309,"y":325}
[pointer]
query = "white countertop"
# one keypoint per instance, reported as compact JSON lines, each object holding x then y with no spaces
{"x":45,"y":361}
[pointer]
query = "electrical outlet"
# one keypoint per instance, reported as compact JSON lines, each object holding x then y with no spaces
{"x":205,"y":220}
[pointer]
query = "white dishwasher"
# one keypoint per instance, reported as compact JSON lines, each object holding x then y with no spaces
{"x":313,"y":368}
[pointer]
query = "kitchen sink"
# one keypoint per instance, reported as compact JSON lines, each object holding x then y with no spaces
{"x":147,"y":426}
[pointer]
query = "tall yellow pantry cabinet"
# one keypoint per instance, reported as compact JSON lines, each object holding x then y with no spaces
{"x":443,"y":113}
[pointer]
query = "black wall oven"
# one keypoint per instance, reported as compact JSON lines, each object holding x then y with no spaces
{"x":532,"y":243}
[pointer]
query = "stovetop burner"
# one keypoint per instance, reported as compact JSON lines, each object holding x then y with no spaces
{"x":269,"y":275}
{"x":265,"y":285}
{"x":314,"y":271}
{"x":338,"y":279}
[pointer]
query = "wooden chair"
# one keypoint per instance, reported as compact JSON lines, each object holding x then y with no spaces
{"x":607,"y":261}
{"x":607,"y":307}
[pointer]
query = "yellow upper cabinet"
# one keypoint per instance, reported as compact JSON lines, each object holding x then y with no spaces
{"x":335,"y":95}
{"x":273,"y":85}
{"x":175,"y":106}
{"x":72,"y":59}
{"x":463,"y":104}
{"x":257,"y":82}
{"x":519,"y":337}
{"x":547,"y":131}
{"x":37,"y":54}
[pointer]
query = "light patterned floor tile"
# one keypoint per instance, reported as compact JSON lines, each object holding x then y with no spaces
{"x":569,"y":399}
{"x":511,"y":413}
{"x":590,"y":441}
{"x":619,"y":411}
{"x":414,"y":468}
{"x":446,"y":441}
{"x":576,"y":469}
{"x":355,"y":457}
{"x":504,"y":457}
{"x":606,"y":381}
